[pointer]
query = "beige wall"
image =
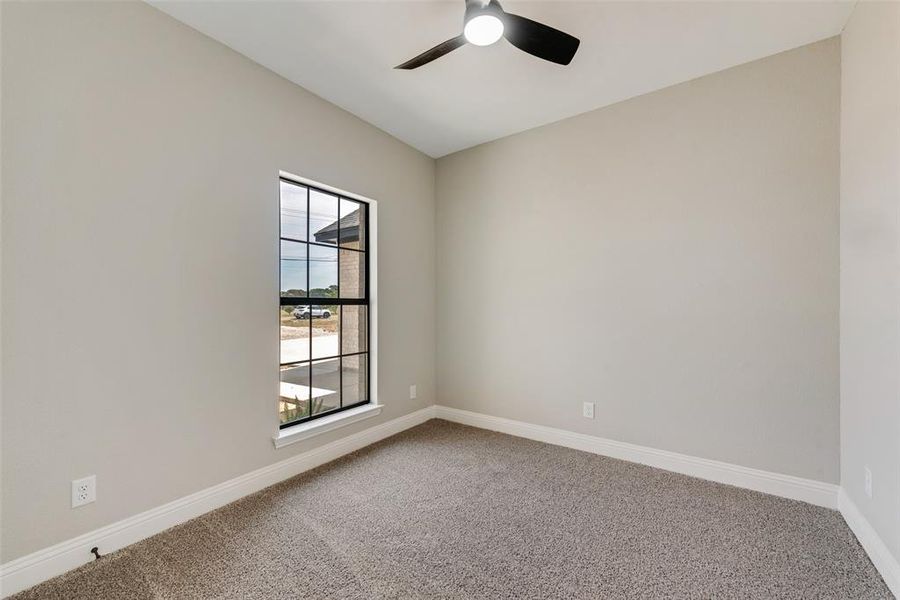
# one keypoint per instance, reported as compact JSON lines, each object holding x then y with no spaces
{"x":140,"y":225}
{"x":870,"y":264}
{"x":673,"y":259}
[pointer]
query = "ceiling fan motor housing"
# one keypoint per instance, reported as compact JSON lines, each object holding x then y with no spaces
{"x":476,"y":8}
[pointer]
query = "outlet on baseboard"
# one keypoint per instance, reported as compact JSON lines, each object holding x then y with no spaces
{"x":412,"y":392}
{"x":84,"y":491}
{"x":868,"y":484}
{"x":588,"y":410}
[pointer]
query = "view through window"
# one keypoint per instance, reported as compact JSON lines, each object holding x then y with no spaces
{"x":324,"y":303}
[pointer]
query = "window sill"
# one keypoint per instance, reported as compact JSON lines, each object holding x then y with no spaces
{"x":304,"y":431}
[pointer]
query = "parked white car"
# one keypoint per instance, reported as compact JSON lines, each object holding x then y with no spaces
{"x":318,"y":312}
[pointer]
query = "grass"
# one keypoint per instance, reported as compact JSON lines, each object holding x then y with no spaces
{"x":293,"y":409}
{"x":329,"y":325}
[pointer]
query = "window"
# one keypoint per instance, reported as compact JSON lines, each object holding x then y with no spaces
{"x":324,"y":312}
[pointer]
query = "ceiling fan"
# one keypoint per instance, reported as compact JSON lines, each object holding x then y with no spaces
{"x":486,"y":22}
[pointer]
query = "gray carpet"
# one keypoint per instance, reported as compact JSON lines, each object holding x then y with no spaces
{"x":447,"y":511}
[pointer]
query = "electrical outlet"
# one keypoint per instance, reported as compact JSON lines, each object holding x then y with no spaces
{"x":84,"y":491}
{"x":412,"y":392}
{"x":588,"y":410}
{"x":868,"y":473}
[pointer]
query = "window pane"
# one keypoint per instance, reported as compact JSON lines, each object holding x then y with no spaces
{"x":353,"y":329}
{"x":293,"y":269}
{"x":322,"y":257}
{"x":323,"y":217}
{"x":326,"y":385}
{"x":353,"y":224}
{"x":325,"y":319}
{"x":293,"y":211}
{"x":294,"y":333}
{"x":355,"y":379}
{"x":294,"y":395}
{"x":353,"y":273}
{"x":323,"y":268}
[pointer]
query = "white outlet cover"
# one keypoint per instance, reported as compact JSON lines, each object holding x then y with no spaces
{"x":588,"y":410}
{"x":412,"y":392}
{"x":84,"y":491}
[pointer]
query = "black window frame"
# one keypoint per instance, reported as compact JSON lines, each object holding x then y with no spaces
{"x":310,"y":301}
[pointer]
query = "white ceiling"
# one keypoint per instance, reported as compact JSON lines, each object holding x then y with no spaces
{"x":345,"y":51}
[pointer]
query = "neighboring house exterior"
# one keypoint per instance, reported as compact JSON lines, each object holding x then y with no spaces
{"x":351,"y":265}
{"x":349,"y":229}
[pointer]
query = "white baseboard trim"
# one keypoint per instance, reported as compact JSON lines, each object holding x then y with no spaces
{"x":39,"y":566}
{"x":786,"y":486}
{"x":871,"y":542}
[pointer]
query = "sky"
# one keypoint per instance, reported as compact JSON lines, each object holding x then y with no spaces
{"x":323,"y":262}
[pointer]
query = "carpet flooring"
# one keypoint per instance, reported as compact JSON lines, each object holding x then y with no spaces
{"x":448,"y":511}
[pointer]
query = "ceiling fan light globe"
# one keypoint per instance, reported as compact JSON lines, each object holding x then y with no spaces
{"x":483,"y":30}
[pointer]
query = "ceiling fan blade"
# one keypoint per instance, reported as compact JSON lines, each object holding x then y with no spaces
{"x":436,"y":52}
{"x":540,"y":40}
